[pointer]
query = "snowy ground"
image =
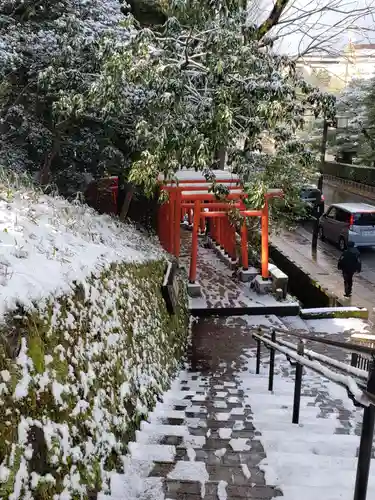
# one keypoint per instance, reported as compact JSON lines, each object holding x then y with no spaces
{"x":46,"y":243}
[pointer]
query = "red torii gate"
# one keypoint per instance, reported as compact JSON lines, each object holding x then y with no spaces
{"x":189,"y":192}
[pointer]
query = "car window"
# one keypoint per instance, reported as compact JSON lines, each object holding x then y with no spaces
{"x":332,"y":213}
{"x":364,"y":219}
{"x":343,"y":216}
{"x":310,"y":193}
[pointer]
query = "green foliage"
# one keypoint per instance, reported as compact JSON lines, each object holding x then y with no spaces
{"x":88,"y":367}
{"x":205,"y":83}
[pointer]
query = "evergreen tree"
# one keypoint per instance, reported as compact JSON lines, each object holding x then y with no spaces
{"x":49,"y":53}
{"x":352,"y":132}
{"x":209,"y":82}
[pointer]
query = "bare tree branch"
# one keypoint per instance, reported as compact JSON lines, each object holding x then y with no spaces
{"x":272,"y":19}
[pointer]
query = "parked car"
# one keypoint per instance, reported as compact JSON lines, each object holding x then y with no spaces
{"x":313,"y":198}
{"x":345,"y":222}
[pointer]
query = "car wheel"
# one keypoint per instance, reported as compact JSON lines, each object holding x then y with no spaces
{"x":321,"y":233}
{"x":342,"y":244}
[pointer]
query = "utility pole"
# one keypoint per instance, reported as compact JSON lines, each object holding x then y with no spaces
{"x":323,"y":148}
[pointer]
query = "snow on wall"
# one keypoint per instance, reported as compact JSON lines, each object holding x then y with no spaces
{"x":46,"y":243}
{"x":83,"y":365}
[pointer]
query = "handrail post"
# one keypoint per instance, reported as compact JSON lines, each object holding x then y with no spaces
{"x":354,"y":359}
{"x":298,"y":384}
{"x":272,"y":363}
{"x":257,"y":371}
{"x":365,"y":447}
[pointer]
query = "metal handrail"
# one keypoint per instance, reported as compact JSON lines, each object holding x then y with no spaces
{"x":356,"y":372}
{"x":344,"y":380}
{"x":360,"y":391}
{"x":348,"y":346}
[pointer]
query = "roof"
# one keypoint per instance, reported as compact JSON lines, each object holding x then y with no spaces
{"x":355,"y":207}
{"x":364,"y":46}
{"x":192,"y":175}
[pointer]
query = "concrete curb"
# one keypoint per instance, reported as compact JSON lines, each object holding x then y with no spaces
{"x":292,"y":309}
{"x":300,"y":281}
{"x":335,"y":312}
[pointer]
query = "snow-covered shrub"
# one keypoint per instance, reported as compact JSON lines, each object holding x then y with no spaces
{"x":80,"y":361}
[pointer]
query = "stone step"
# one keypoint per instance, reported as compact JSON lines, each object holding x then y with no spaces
{"x":184,"y":489}
{"x":183,"y":440}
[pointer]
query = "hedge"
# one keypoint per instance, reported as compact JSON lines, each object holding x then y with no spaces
{"x":77,"y":374}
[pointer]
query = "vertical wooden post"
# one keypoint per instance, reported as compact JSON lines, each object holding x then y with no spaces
{"x":244,"y":249}
{"x":190,"y":218}
{"x":171,"y":226}
{"x":194,"y":242}
{"x":265,"y":240}
{"x":225,"y":235}
{"x":219,"y":231}
{"x":177,"y":220}
{"x":231,"y":240}
{"x":203,"y":224}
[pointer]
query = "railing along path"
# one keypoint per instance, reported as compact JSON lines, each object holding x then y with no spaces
{"x":358,"y":379}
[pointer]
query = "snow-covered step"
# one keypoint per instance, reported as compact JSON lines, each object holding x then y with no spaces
{"x":154,"y":435}
{"x":307,"y":414}
{"x":311,"y":444}
{"x":174,"y":401}
{"x":321,"y":492}
{"x":163,"y":429}
{"x":278,"y":459}
{"x":269,"y":400}
{"x":164,"y":414}
{"x":152,"y":452}
{"x":318,"y":426}
{"x":305,"y":475}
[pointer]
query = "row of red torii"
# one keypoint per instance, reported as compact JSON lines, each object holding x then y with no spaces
{"x":188,"y":195}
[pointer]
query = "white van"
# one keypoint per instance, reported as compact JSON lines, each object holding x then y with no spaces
{"x":344,"y":222}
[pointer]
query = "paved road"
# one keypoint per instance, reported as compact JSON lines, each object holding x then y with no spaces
{"x":334,"y":195}
{"x":325,"y":262}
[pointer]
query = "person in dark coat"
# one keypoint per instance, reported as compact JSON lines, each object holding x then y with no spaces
{"x":349,"y":263}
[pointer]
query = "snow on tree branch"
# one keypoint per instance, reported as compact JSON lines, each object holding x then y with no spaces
{"x":316,"y":25}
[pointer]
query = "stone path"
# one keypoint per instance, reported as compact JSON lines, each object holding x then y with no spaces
{"x":220,"y":286}
{"x":201,"y":437}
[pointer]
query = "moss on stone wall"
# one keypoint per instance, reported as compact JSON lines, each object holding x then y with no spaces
{"x":77,"y":374}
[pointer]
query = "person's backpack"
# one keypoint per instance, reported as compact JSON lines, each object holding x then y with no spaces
{"x":339,"y":263}
{"x":359,"y":264}
{"x":350,"y":262}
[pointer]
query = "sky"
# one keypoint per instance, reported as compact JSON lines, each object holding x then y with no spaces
{"x":310,"y":26}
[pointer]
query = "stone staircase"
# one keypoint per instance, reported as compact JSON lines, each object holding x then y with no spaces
{"x":221,"y":436}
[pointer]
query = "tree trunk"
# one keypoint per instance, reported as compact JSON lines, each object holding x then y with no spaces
{"x":126,"y":205}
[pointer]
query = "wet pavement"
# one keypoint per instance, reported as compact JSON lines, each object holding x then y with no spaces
{"x":323,"y":265}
